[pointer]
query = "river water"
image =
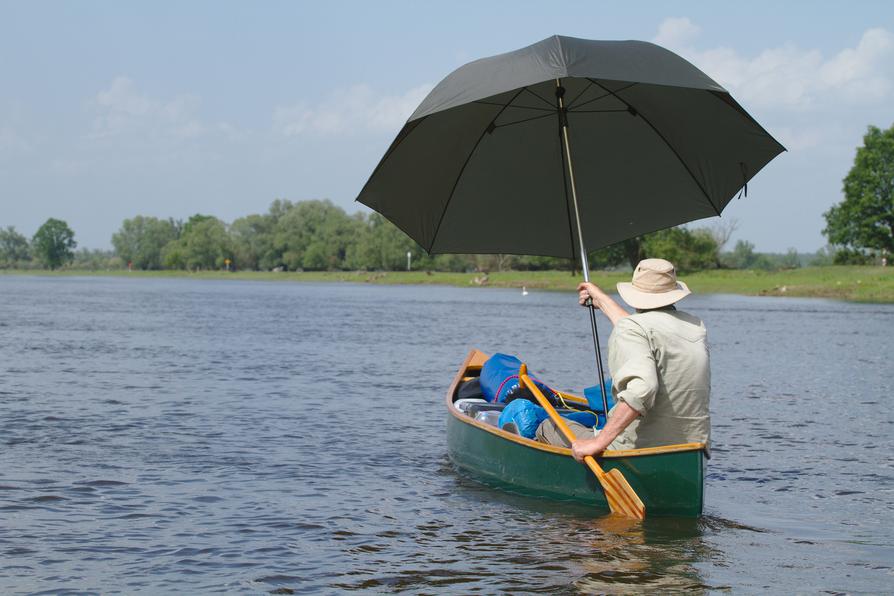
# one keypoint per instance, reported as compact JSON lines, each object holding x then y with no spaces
{"x":180,"y":436}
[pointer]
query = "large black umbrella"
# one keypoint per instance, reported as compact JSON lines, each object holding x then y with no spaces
{"x":484,"y":164}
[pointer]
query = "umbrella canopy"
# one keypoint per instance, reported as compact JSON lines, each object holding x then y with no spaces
{"x":480,"y":166}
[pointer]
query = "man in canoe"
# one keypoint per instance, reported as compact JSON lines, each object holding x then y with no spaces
{"x":659,"y":364}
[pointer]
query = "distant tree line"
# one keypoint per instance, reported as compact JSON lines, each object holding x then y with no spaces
{"x":319,"y":236}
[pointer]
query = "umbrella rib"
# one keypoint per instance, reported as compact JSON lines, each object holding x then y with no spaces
{"x":463,"y":169}
{"x":578,"y":96}
{"x":493,"y":103}
{"x":551,"y":106}
{"x":526,"y":120}
{"x":607,"y":94}
{"x":669,"y":146}
{"x":625,"y":110}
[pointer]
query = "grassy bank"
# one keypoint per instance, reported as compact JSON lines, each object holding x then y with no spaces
{"x":861,"y":284}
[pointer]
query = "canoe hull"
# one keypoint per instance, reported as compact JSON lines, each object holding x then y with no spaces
{"x":670,"y":481}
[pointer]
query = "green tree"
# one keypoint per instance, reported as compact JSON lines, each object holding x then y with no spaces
{"x":823,"y":257}
{"x":851,"y":256}
{"x":688,"y":250}
{"x":53,"y":244}
{"x":252,"y":241}
{"x":13,"y":248}
{"x":314,"y":235}
{"x":141,"y":240}
{"x":537,"y":263}
{"x":279,"y":207}
{"x":447,"y":262}
{"x":744,"y":257}
{"x":741,"y":257}
{"x":634,"y":250}
{"x":613,"y":255}
{"x":790,"y":260}
{"x":865,"y":218}
{"x":96,"y":260}
{"x":203,"y":244}
{"x":382,"y":246}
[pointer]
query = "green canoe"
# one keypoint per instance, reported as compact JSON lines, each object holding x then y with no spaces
{"x":670,"y":480}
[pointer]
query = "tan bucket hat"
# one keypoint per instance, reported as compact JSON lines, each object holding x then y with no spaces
{"x":654,"y":285}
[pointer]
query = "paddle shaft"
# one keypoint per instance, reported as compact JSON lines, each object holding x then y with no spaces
{"x":557,"y":419}
{"x":585,"y":265}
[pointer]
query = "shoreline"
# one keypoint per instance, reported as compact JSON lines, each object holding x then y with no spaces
{"x":849,"y":283}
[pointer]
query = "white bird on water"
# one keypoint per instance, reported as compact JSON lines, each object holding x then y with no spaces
{"x":524,"y":291}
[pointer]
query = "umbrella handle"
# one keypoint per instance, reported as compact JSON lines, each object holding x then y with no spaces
{"x":585,"y":265}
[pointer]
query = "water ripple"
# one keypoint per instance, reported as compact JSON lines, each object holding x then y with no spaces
{"x":177,"y":436}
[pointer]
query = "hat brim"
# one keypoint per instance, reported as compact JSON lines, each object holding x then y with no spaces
{"x":647,"y":300}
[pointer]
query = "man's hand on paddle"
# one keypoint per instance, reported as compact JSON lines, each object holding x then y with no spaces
{"x":621,"y":417}
{"x":584,"y":447}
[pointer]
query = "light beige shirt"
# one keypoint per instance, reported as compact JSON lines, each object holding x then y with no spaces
{"x":660,"y":367}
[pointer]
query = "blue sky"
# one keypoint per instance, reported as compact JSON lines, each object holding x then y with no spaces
{"x":113,"y":109}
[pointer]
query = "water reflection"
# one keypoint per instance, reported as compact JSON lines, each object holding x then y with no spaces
{"x":655,"y":555}
{"x":601,"y":554}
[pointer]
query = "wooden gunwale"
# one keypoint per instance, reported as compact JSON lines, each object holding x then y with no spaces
{"x":476,"y":359}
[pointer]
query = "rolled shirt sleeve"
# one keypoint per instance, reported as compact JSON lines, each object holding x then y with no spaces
{"x":633,"y":366}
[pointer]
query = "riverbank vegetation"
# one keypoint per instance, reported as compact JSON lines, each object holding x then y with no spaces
{"x":316,"y":239}
{"x":319,"y":236}
{"x":853,"y":283}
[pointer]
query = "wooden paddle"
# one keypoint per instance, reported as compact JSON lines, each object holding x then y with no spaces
{"x":621,"y":497}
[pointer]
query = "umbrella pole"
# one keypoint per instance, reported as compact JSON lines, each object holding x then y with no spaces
{"x":585,"y":266}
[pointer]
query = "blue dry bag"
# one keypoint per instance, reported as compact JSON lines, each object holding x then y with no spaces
{"x":499,"y":379}
{"x":527,"y":416}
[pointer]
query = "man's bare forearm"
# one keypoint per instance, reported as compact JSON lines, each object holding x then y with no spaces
{"x":622,"y":416}
{"x":614,"y":311}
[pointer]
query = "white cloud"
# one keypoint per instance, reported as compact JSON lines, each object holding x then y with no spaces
{"x":790,"y":77}
{"x":865,"y":71}
{"x":357,"y":109}
{"x":122,"y":109}
{"x":676,"y":32}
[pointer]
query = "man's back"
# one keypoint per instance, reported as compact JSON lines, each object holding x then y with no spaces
{"x":660,"y":367}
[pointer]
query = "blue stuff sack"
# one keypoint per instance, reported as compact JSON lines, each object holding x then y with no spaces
{"x":499,"y":378}
{"x":594,"y":399}
{"x":527,"y":416}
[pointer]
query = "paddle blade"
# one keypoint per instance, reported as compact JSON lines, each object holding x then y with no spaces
{"x":620,"y":495}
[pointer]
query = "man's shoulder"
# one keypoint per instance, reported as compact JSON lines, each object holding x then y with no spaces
{"x":676,"y":320}
{"x":634,"y":323}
